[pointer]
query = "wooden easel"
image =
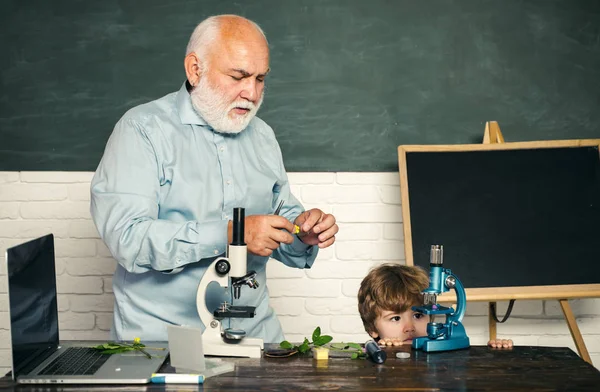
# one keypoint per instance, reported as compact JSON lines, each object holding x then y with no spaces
{"x":492,"y":134}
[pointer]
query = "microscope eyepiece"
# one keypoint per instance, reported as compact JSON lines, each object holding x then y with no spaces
{"x":436,"y":256}
{"x":237,"y":237}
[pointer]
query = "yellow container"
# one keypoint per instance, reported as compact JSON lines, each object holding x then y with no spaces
{"x":320,"y":353}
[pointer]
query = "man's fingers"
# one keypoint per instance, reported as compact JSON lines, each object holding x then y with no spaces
{"x":327,"y":221}
{"x":327,"y":243}
{"x":312,"y":217}
{"x":329,"y":233}
{"x":266,"y":252}
{"x":264,"y":247}
{"x":280,"y":236}
{"x":280,"y":222}
{"x":270,"y":244}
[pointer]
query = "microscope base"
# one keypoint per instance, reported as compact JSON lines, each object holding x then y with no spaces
{"x":428,"y":345}
{"x":247,"y":348}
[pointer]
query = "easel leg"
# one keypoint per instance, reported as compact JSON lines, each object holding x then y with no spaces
{"x":491,"y":321}
{"x":575,"y":333}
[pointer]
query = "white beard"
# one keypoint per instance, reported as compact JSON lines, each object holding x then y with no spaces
{"x":212,"y":105}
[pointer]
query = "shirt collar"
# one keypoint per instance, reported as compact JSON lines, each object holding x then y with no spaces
{"x":186,"y":111}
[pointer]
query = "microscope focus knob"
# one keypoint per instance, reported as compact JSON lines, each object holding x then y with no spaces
{"x":450,"y":282}
{"x":222,"y":267}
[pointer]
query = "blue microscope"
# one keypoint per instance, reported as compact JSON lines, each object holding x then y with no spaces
{"x":451,"y":334}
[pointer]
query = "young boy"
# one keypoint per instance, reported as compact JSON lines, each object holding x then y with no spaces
{"x":385,"y":300}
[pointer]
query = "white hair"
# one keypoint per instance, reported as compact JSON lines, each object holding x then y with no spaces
{"x":206,"y":33}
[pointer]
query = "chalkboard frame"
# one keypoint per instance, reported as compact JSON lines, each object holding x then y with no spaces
{"x":492,"y":293}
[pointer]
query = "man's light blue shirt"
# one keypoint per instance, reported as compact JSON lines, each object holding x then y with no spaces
{"x":162,"y":197}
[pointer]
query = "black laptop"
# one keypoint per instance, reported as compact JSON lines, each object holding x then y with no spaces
{"x":38,"y":356}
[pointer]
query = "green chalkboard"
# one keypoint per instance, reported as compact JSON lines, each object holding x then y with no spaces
{"x":351,"y":79}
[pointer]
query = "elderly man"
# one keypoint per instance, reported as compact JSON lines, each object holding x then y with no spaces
{"x":173,"y":171}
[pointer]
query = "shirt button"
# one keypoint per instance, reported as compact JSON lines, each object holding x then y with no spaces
{"x":228,"y":182}
{"x":222,"y":149}
{"x":216,"y":252}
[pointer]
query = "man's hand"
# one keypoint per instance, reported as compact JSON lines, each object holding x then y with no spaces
{"x":317,"y":228}
{"x":263,"y":234}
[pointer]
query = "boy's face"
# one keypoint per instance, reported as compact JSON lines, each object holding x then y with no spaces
{"x":403,"y":326}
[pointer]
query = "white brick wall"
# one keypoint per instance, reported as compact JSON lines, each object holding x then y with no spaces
{"x":367,"y":206}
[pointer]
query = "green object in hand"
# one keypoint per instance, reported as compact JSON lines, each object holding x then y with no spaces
{"x":119,"y":347}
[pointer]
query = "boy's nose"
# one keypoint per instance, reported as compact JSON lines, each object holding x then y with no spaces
{"x":409,"y":327}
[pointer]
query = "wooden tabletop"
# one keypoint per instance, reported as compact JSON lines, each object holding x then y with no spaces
{"x":522,"y":368}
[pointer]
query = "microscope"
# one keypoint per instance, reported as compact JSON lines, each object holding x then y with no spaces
{"x":451,"y":334}
{"x":230,"y":271}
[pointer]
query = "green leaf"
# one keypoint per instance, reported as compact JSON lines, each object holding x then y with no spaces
{"x":115,"y":350}
{"x":354,"y":356}
{"x":305,"y":346}
{"x":144,"y":352}
{"x":316,"y":333}
{"x":287,"y":345}
{"x":107,"y":346}
{"x":321,"y":340}
{"x":339,"y":346}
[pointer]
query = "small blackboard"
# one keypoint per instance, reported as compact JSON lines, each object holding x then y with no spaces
{"x":508,"y":215}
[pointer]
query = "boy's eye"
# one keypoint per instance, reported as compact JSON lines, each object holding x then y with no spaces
{"x":418,"y":315}
{"x":395,"y":318}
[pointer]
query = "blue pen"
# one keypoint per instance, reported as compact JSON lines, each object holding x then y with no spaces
{"x":174,"y":378}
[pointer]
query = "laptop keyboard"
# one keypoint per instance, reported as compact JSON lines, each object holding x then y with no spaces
{"x":78,"y":361}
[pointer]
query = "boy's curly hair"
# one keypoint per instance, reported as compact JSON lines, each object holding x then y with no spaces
{"x":391,"y":287}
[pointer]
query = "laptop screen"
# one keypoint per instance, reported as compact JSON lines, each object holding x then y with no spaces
{"x":32,"y":299}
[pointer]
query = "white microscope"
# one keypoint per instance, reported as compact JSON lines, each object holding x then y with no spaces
{"x":217,"y":340}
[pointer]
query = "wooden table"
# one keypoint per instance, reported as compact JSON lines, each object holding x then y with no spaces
{"x":478,"y":368}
